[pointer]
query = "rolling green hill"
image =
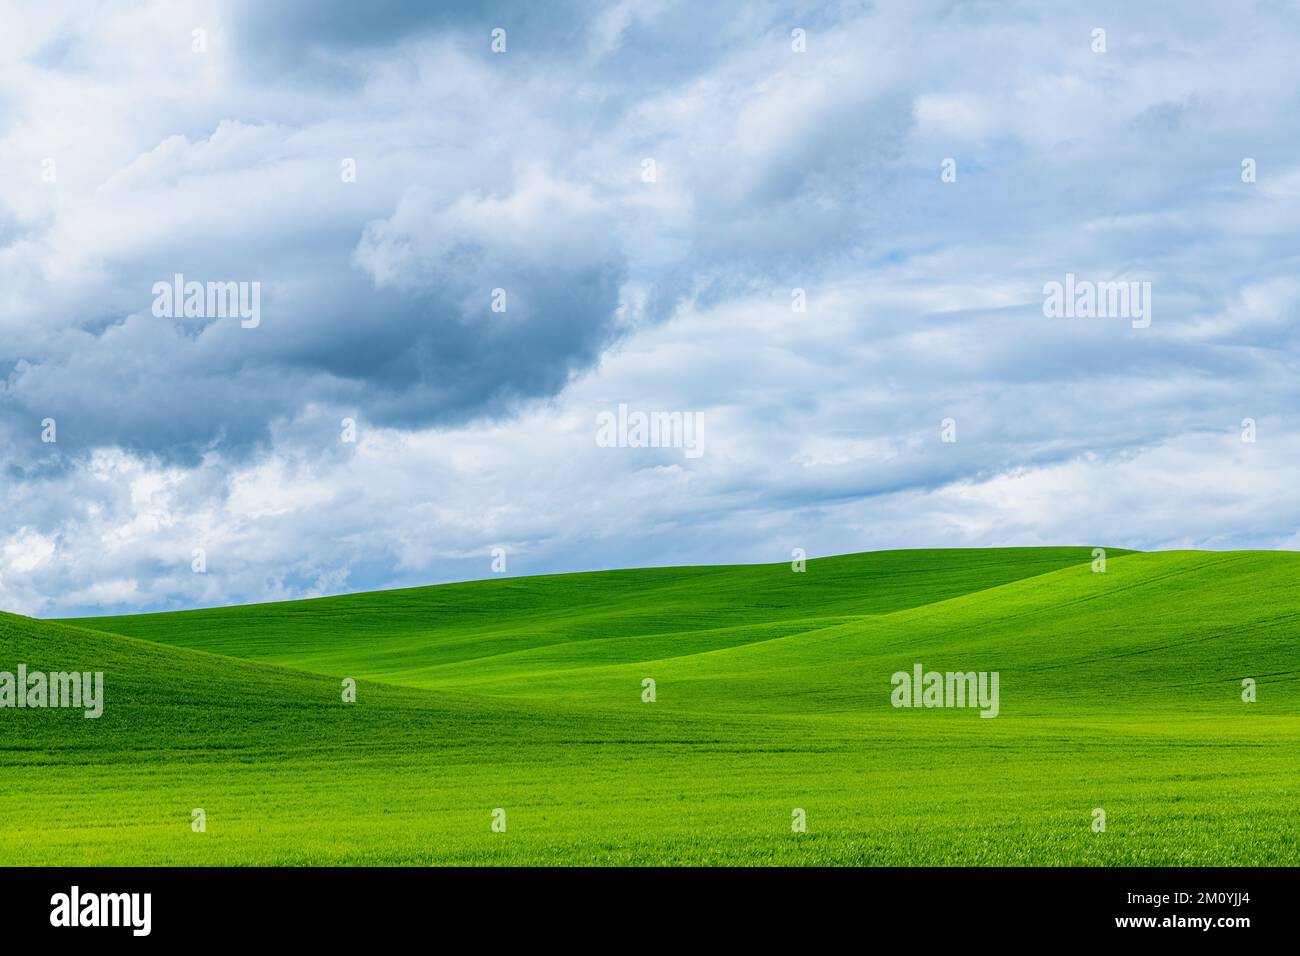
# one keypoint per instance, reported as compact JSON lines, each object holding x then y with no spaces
{"x":582,"y":620}
{"x":1120,"y":691}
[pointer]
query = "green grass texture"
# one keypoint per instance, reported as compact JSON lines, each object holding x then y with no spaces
{"x":1119,"y":691}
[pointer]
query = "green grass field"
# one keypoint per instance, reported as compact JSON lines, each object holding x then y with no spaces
{"x":1120,"y":691}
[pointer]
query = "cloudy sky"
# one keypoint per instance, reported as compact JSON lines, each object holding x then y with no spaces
{"x":648,"y":183}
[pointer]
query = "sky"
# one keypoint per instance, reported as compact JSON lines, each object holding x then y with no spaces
{"x":820,"y":234}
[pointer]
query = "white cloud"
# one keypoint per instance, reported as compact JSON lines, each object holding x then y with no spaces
{"x":776,"y":171}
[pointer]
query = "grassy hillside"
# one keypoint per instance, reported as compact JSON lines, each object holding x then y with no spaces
{"x":1118,"y":690}
{"x":517,"y":625}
